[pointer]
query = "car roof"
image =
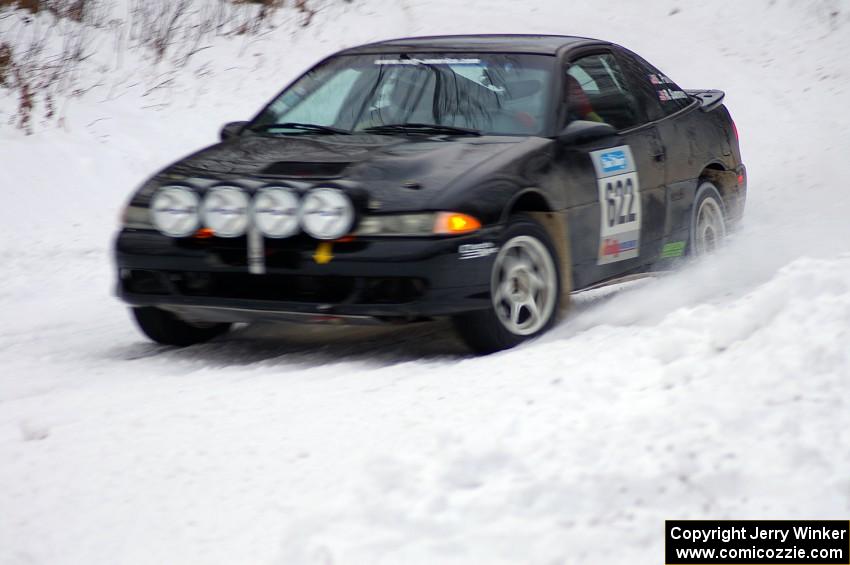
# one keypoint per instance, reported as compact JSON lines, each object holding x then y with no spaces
{"x":509,"y":43}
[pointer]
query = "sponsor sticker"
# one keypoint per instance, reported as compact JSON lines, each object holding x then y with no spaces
{"x":619,"y":204}
{"x":614,"y":247}
{"x":613,"y":161}
{"x":414,"y":61}
{"x":673,"y":249}
{"x":659,"y":79}
{"x":476,"y":250}
{"x":667,"y":94}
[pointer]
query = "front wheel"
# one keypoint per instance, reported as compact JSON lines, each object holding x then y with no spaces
{"x":525,"y":290}
{"x":166,"y":328}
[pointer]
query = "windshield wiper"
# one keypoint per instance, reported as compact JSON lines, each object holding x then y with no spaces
{"x":421,"y":128}
{"x":313,"y":128}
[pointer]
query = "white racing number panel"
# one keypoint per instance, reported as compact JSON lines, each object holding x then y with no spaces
{"x":619,"y":204}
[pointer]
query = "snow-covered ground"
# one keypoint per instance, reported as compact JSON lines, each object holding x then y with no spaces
{"x":719,"y":391}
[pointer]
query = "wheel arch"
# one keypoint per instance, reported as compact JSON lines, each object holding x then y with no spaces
{"x":529,"y":199}
{"x":716,"y":172}
{"x":727,"y":184}
{"x":533,"y":202}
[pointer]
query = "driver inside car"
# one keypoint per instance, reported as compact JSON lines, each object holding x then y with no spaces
{"x":578,"y":103}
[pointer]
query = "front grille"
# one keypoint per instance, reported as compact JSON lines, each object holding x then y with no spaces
{"x":287,"y":288}
{"x":274,"y":287}
{"x":138,"y":281}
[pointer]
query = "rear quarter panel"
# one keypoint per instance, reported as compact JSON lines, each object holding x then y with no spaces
{"x":699,"y":145}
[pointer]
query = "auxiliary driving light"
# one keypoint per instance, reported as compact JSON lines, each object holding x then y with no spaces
{"x":327,"y":213}
{"x":225,"y":211}
{"x":276,"y":211}
{"x":174,"y":211}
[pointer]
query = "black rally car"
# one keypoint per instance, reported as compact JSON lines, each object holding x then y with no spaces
{"x":481,"y":178}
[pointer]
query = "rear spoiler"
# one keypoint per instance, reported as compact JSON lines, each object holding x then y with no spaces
{"x":708,"y":99}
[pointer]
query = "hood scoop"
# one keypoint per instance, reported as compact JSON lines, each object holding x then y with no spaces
{"x":305,"y":170}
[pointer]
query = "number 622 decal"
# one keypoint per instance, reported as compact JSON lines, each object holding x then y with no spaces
{"x":620,"y":195}
{"x":619,"y":204}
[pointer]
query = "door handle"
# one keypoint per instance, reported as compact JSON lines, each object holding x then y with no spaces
{"x":660,"y":156}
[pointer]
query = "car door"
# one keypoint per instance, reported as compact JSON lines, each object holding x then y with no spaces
{"x":672,"y":111}
{"x":617,"y":191}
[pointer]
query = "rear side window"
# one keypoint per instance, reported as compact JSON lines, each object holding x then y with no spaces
{"x":597,"y":91}
{"x":659,"y":95}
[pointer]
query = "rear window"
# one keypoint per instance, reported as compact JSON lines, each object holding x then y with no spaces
{"x":660,"y":95}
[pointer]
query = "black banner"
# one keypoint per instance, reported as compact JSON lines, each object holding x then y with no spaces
{"x":757,"y":542}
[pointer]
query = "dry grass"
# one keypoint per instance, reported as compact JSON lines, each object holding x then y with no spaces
{"x":35,"y":72}
{"x":71,"y":9}
{"x":5,"y":63}
{"x":44,"y":73}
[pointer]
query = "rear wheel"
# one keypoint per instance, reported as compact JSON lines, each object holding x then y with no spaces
{"x":524,"y":289}
{"x":166,"y":328}
{"x":708,"y":224}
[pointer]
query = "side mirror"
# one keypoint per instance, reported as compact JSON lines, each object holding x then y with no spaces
{"x":583,"y":131}
{"x":231,"y":130}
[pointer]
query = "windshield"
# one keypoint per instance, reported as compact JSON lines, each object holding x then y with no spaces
{"x":495,"y":94}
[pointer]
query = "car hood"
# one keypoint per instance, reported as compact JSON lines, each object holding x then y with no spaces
{"x":399,"y":172}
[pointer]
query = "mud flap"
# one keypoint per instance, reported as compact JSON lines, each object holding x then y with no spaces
{"x":555,"y":224}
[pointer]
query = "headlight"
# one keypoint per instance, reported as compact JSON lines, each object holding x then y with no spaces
{"x":225,"y":211}
{"x":431,"y":223}
{"x":397,"y":224}
{"x":327,"y":213}
{"x":276,"y":211}
{"x":174,"y":211}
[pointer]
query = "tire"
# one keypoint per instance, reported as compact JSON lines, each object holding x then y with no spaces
{"x":708,"y":221}
{"x":525,"y":291}
{"x":166,"y":328}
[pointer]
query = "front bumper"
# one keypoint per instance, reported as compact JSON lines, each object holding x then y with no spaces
{"x":367,"y":280}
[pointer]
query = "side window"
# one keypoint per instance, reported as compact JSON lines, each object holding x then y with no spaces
{"x":660,"y":95}
{"x":597,"y":91}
